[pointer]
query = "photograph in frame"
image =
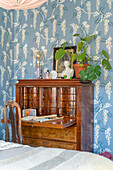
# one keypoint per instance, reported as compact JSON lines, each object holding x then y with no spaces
{"x":58,"y":65}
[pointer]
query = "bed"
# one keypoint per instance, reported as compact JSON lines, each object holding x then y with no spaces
{"x":23,"y":157}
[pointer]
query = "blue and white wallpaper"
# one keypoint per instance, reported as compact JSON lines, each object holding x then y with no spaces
{"x":43,"y":28}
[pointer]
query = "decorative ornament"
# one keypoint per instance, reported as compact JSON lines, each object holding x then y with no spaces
{"x":38,"y":55}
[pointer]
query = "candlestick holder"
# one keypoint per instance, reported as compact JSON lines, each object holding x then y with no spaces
{"x":38,"y":55}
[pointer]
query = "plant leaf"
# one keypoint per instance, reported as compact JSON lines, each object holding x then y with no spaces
{"x":68,"y":51}
{"x":80,"y":46}
{"x":59,"y":54}
{"x":90,"y":67}
{"x":83,"y":39}
{"x":105,"y":54}
{"x":97,"y":70}
{"x":74,"y":57}
{"x":64,"y":44}
{"x":81,"y":57}
{"x":85,"y":49}
{"x":89,"y":38}
{"x":106,"y":64}
{"x":82,"y":65}
{"x":92,"y":76}
{"x":71,"y":77}
{"x":82,"y":75}
{"x":65,"y":76}
{"x":75,"y":35}
{"x":93,"y":72}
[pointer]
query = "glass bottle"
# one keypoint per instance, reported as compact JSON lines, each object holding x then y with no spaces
{"x":47,"y":74}
{"x":41,"y":77}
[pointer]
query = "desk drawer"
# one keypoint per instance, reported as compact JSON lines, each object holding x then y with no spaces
{"x":68,"y":134}
{"x":50,"y":143}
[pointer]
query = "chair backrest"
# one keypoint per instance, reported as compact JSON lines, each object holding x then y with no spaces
{"x":15,"y":120}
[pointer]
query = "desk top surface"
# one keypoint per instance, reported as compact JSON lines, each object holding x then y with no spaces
{"x":60,"y":123}
{"x":52,"y":82}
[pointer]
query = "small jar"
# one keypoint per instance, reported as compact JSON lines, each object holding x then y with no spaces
{"x":47,"y":74}
{"x":41,"y":76}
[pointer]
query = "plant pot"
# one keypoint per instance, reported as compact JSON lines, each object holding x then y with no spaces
{"x":78,"y":68}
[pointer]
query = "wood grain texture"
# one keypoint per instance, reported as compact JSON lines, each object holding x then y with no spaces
{"x":87,"y":118}
{"x":66,"y":121}
{"x":67,"y":134}
{"x":50,"y":143}
{"x":64,"y":97}
{"x":16,"y":128}
{"x":78,"y":109}
{"x":51,"y":82}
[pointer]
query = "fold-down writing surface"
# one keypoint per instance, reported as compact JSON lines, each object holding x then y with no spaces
{"x":59,"y":123}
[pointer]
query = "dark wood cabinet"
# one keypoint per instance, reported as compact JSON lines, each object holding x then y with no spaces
{"x":69,"y":98}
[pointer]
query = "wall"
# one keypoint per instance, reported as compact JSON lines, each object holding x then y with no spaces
{"x":6,"y":61}
{"x":47,"y":27}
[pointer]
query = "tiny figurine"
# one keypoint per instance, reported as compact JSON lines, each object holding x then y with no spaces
{"x":47,"y":74}
{"x":68,"y":71}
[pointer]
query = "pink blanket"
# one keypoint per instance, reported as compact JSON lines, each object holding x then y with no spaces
{"x":107,"y":155}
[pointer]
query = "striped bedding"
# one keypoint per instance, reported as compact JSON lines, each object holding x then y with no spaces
{"x":22,"y":157}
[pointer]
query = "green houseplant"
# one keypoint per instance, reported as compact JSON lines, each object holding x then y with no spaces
{"x":90,"y":68}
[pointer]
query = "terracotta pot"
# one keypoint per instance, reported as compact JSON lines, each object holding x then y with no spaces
{"x":78,"y":68}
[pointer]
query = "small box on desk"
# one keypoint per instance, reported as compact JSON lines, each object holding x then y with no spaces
{"x":28,"y":112}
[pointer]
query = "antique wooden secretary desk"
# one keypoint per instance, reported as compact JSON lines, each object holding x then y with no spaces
{"x":69,"y":98}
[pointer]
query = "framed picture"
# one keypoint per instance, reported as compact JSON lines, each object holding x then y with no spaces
{"x":58,"y":65}
{"x":28,"y":112}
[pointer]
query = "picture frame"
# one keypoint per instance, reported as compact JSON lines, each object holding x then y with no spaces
{"x":28,"y":112}
{"x":58,"y":65}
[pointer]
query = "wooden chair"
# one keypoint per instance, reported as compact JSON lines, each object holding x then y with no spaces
{"x":14,"y":120}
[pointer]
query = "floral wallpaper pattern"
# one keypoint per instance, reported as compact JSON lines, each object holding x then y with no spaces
{"x":43,"y":28}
